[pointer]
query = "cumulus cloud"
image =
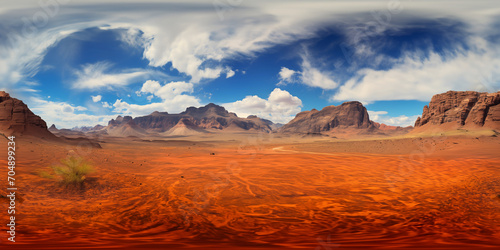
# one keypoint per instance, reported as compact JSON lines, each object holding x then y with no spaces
{"x":150,"y":86}
{"x":96,"y":98}
{"x":175,"y":105}
{"x":167,"y":91}
{"x":230,"y":73}
{"x":174,"y":96}
{"x":383,"y":117}
{"x":286,"y":75}
{"x":65,"y":115}
{"x":279,"y":107}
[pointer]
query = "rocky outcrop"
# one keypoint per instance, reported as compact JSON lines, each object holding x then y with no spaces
{"x":17,"y":119}
{"x":124,"y":126}
{"x":185,"y":127}
{"x":86,"y":129}
{"x":53,"y":128}
{"x":384,"y":127}
{"x":468,"y":109}
{"x":347,"y":116}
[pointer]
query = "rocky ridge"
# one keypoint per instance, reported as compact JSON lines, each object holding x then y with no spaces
{"x":18,"y":120}
{"x":462,"y":109}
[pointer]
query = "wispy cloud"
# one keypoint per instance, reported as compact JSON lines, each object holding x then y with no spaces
{"x":417,"y":78}
{"x":99,"y":75}
{"x":308,"y":75}
{"x":21,"y":57}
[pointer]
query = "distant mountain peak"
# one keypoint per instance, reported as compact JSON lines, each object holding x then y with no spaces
{"x":157,"y":113}
{"x":209,"y":110}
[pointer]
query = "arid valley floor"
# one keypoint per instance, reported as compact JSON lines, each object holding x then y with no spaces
{"x":262,"y":191}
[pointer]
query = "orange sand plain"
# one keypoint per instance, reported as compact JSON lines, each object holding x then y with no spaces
{"x":258,"y":192}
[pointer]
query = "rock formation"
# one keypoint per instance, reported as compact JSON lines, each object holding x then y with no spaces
{"x":194,"y":120}
{"x":185,"y":127}
{"x":17,"y":119}
{"x":347,"y":116}
{"x":394,"y":129}
{"x":53,"y":128}
{"x":457,"y":109}
{"x":124,"y":126}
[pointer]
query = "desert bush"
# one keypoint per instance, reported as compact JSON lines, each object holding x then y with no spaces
{"x":71,"y":172}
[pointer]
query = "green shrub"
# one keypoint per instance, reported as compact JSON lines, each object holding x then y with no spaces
{"x":71,"y":172}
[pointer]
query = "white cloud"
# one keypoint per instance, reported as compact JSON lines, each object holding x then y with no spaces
{"x":188,"y":45}
{"x":96,"y":98}
{"x":177,"y":104}
{"x":167,"y":91}
{"x":375,"y":115}
{"x":150,"y":86}
{"x":382,"y":117}
{"x":309,"y":75}
{"x":106,"y":105}
{"x":65,"y":115}
{"x":314,"y":77}
{"x":21,"y":55}
{"x":95,"y":76}
{"x":173,"y":95}
{"x":414,"y":78}
{"x":230,"y":73}
{"x":286,"y":75}
{"x":249,"y":28}
{"x":280,"y":106}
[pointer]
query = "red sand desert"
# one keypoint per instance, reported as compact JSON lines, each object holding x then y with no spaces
{"x":264,"y":192}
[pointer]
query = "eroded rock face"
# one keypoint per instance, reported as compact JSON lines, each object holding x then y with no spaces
{"x":349,"y":115}
{"x":17,"y":119}
{"x":462,"y":108}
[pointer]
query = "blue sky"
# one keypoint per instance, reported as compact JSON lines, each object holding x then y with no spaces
{"x":81,"y":63}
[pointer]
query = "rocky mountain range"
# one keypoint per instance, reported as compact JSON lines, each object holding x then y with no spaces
{"x":209,"y":118}
{"x":461,"y":109}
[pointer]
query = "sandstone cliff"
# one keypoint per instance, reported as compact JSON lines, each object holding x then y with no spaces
{"x":461,"y":109}
{"x":17,"y":119}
